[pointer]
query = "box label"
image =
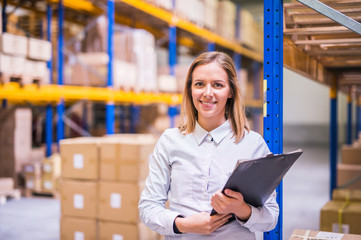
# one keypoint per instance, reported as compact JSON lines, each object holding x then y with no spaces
{"x":117,"y":237}
{"x":329,"y":235}
{"x":78,"y":161}
{"x":78,"y":201}
{"x":345,"y":228}
{"x":78,"y":236}
{"x":115,"y":200}
{"x":30,"y":184}
{"x":48,"y":185}
{"x":47,"y":167}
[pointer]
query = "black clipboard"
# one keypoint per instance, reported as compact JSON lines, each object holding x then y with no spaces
{"x":256,"y":179}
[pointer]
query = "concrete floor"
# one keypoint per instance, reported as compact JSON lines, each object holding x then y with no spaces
{"x":306,"y":190}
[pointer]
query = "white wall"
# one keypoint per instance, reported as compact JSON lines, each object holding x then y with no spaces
{"x":304,"y":101}
{"x":306,"y":110}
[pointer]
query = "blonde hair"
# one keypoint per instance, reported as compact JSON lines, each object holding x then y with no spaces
{"x":235,"y":110}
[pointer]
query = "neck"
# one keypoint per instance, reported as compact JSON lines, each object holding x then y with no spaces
{"x":209,"y":125}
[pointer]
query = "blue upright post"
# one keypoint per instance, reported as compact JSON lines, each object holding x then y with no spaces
{"x":4,"y":24}
{"x":237,"y":58}
{"x":172,"y":63}
{"x":110,"y":105}
{"x":333,"y":135}
{"x":61,"y":105}
{"x":349,"y":118}
{"x":211,"y":47}
{"x":4,"y":17}
{"x":256,"y":95}
{"x":49,"y":110}
{"x":358,"y":116}
{"x":273,"y":83}
{"x":238,"y":21}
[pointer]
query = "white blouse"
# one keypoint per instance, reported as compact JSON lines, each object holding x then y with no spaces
{"x":187,"y":169}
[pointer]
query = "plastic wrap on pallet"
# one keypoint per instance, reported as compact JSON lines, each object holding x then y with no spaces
{"x":14,"y":45}
{"x":193,"y":11}
{"x":226,"y":19}
{"x":210,"y":14}
{"x":5,"y":64}
{"x":251,"y":34}
{"x":39,"y":49}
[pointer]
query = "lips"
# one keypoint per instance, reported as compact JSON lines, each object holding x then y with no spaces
{"x":207,"y":104}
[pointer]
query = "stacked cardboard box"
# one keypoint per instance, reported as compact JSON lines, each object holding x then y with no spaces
{"x":310,"y":234}
{"x":24,"y":59}
{"x":134,"y":62}
{"x":32,"y":176}
{"x":250,"y":32}
{"x":192,"y":11}
{"x":343,"y":213}
{"x":50,"y":173}
{"x":210,"y":14}
{"x":102,"y":179}
{"x":349,"y":170}
{"x":226,"y":19}
{"x":15,"y":141}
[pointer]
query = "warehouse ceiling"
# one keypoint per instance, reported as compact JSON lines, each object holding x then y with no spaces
{"x":318,"y":46}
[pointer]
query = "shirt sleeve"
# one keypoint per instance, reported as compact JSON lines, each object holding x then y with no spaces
{"x":152,"y":210}
{"x":263,"y":218}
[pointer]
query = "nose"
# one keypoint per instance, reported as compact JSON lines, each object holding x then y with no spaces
{"x":208,"y":91}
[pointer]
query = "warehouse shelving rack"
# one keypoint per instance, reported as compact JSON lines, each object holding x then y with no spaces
{"x":181,"y":32}
{"x":320,"y":64}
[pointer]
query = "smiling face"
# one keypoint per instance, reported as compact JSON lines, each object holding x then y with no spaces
{"x":210,"y":92}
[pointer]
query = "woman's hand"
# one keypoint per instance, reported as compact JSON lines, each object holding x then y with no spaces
{"x":201,"y":223}
{"x":231,"y":202}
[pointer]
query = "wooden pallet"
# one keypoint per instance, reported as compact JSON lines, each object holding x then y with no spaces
{"x":4,"y":196}
{"x":39,"y":193}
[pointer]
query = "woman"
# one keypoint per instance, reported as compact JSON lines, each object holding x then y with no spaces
{"x":191,"y":164}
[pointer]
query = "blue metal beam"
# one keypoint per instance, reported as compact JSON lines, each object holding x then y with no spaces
{"x":110,"y":116}
{"x":358,"y":116}
{"x":349,"y":118}
{"x":333,"y":135}
{"x":211,"y":47}
{"x":61,"y":104}
{"x":4,"y":16}
{"x":172,"y":64}
{"x":4,"y":102}
{"x":49,"y":110}
{"x":273,"y":82}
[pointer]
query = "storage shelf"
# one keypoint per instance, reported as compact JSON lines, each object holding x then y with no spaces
{"x":154,"y":19}
{"x":54,"y":93}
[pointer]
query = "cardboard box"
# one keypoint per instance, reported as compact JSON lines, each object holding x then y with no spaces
{"x":6,"y":185}
{"x":49,"y":183}
{"x":39,"y":49}
{"x":15,"y":141}
{"x":78,"y":229}
{"x":351,"y":155}
{"x":125,"y":158}
{"x":125,"y":231}
{"x":346,"y":173}
{"x":5,"y":64}
{"x":80,"y":158}
{"x":13,"y":44}
{"x":341,"y":216}
{"x":79,"y":198}
{"x":119,"y":201}
{"x":298,"y":234}
{"x":33,"y":183}
{"x":51,"y":166}
{"x":346,"y":195}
